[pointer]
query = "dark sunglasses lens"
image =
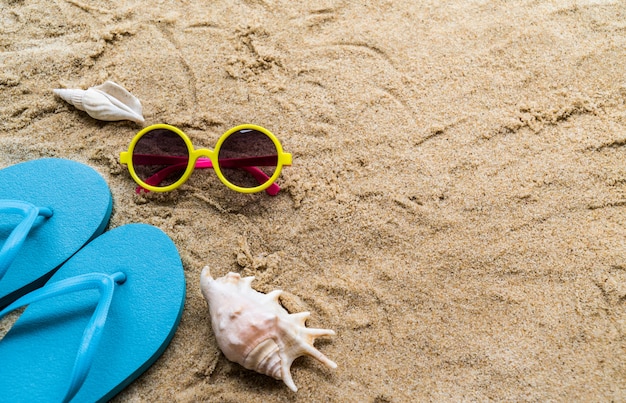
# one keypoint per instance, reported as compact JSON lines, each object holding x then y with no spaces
{"x":248,"y":158}
{"x":160,"y":157}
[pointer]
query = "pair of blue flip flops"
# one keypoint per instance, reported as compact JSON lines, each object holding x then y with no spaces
{"x":102,"y":306}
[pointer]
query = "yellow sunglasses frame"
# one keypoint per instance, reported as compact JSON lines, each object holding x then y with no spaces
{"x":283,"y":158}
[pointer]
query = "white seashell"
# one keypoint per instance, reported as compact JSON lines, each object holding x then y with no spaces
{"x":254,"y":330}
{"x":108,"y":101}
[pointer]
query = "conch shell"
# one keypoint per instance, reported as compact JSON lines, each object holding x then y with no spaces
{"x":108,"y":101}
{"x":254,"y":330}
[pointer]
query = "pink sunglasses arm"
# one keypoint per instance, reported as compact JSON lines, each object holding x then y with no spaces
{"x":259,"y":175}
{"x":161,"y":175}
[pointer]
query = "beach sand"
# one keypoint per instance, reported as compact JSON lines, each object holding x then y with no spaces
{"x":456,"y":207}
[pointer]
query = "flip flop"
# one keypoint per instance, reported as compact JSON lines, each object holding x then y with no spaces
{"x":49,"y":209}
{"x":82,"y":345}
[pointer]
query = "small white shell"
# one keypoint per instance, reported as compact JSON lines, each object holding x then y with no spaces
{"x":108,"y":101}
{"x":254,"y":330}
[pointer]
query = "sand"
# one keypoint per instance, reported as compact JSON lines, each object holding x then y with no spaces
{"x":456,"y":208}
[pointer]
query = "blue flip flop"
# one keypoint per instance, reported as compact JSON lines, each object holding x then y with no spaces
{"x":104,"y":317}
{"x":49,"y":209}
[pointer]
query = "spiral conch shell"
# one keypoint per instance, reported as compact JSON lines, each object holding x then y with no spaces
{"x":108,"y":101}
{"x":254,"y":330}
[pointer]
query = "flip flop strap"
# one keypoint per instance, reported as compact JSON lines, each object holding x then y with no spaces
{"x":93,"y":331}
{"x":17,"y":237}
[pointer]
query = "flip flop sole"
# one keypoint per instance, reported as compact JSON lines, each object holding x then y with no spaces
{"x":37,"y":355}
{"x":81,"y":203}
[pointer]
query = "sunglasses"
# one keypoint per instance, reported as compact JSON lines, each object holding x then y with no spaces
{"x":247,"y":159}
